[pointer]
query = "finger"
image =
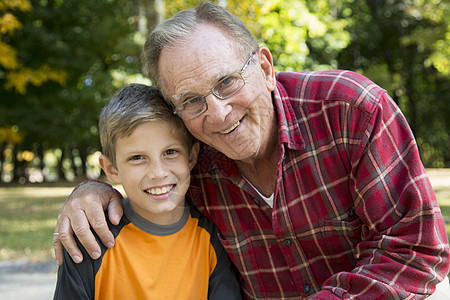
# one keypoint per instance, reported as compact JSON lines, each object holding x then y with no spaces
{"x":115,"y":210}
{"x":80,"y":227}
{"x":96,"y":217}
{"x":67,"y":240}
{"x":57,"y":247}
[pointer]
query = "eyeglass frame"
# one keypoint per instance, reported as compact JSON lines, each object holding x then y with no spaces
{"x":203,"y":97}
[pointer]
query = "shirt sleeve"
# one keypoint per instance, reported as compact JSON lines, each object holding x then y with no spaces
{"x":223,"y":283}
{"x":404,"y":246}
{"x":75,"y":281}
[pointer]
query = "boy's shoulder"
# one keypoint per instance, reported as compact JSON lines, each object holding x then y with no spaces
{"x":202,"y":220}
{"x":115,"y":229}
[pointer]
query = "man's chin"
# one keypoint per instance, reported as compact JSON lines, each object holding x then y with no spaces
{"x":241,"y":154}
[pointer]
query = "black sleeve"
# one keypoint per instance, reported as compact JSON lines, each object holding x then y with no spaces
{"x":223,"y":282}
{"x":77,"y":281}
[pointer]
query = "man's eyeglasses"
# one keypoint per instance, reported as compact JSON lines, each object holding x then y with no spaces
{"x":223,"y":89}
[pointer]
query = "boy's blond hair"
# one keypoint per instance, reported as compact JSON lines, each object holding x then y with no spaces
{"x":131,"y":106}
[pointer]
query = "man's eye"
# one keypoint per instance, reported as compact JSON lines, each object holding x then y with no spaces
{"x":226,"y":81}
{"x":194,"y":100}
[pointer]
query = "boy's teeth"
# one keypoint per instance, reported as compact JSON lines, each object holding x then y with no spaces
{"x":231,"y":128}
{"x":159,"y":191}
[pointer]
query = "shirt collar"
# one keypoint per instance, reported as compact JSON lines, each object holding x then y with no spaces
{"x":288,"y":127}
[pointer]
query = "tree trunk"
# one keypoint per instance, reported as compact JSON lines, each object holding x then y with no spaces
{"x":41,"y":154}
{"x":83,"y":156}
{"x":154,"y":12}
{"x":410,"y":90}
{"x":2,"y":159}
{"x":60,"y":167}
{"x":18,"y":166}
{"x":73,"y":165}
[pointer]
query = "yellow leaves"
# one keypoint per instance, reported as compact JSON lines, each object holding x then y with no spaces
{"x":11,"y":135}
{"x":8,"y":58}
{"x":17,"y":75}
{"x":18,"y":79}
{"x":9,"y":23}
{"x":45,"y":73}
{"x":22,"y":5}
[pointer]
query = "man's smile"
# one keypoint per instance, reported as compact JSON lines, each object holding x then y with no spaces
{"x":226,"y":131}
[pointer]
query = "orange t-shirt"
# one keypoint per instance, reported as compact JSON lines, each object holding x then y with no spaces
{"x":149,"y":261}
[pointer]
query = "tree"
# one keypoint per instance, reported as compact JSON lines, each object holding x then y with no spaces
{"x":17,"y":75}
{"x":401,"y":45}
{"x":60,"y":60}
{"x":95,"y":47}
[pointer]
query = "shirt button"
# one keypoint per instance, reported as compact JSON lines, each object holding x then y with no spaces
{"x":351,"y":212}
{"x":287,"y":242}
{"x":306,"y":288}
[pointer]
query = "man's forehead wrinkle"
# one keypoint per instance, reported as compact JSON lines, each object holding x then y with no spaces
{"x":200,"y":77}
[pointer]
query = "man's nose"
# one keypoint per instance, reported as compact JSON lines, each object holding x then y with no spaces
{"x":218,"y":109}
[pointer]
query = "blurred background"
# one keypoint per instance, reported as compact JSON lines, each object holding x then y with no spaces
{"x":62,"y":60}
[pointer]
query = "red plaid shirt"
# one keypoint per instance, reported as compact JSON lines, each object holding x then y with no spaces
{"x":354,"y":212}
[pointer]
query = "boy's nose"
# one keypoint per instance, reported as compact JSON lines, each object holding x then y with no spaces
{"x":157,"y":169}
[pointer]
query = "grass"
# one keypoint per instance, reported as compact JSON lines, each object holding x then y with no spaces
{"x":27,"y":219}
{"x":28,"y":215}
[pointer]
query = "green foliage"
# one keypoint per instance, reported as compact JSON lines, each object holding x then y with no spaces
{"x":90,"y":43}
{"x":302,"y":35}
{"x":61,"y":59}
{"x":403,"y":46}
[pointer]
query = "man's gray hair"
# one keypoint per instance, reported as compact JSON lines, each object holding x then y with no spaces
{"x":178,"y":28}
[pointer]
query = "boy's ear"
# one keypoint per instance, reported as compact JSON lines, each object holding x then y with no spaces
{"x":193,"y":155}
{"x":109,"y":168}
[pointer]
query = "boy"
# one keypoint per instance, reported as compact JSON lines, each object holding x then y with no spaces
{"x":164,"y":249}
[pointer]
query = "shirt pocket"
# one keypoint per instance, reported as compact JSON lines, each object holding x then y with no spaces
{"x":340,"y":239}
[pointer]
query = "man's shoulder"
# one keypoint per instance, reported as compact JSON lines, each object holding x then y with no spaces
{"x":325,"y":76}
{"x":331,"y":85}
{"x":210,"y":160}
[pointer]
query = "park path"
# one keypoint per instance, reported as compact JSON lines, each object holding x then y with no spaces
{"x":22,"y":280}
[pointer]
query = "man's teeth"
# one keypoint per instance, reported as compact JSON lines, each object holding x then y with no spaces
{"x":231,"y":128}
{"x":159,"y":191}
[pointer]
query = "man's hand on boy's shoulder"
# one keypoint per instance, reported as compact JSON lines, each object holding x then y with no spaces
{"x":77,"y":215}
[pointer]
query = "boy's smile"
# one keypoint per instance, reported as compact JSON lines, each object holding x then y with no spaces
{"x":159,"y":190}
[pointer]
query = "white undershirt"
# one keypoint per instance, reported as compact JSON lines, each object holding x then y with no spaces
{"x":269,"y":200}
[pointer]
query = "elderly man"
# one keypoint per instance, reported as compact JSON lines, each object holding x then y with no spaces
{"x":314,"y":179}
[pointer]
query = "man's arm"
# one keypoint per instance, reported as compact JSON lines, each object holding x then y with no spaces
{"x":404,"y":249}
{"x":84,"y":209}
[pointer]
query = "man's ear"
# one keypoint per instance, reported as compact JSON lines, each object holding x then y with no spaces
{"x":193,"y":154}
{"x":266,"y":61}
{"x":109,"y":169}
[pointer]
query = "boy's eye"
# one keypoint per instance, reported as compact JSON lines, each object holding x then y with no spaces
{"x":136,"y":157}
{"x":171,"y":152}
